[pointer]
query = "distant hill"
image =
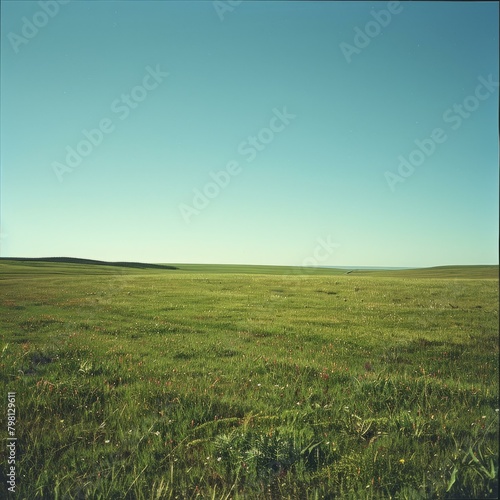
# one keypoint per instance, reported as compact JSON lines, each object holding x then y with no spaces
{"x":73,"y":260}
{"x":457,"y":272}
{"x":70,"y":265}
{"x":445,"y":272}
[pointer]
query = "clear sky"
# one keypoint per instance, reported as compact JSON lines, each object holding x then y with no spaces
{"x":117,"y":116}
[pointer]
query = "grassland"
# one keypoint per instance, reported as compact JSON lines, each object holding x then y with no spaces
{"x":250,"y":382}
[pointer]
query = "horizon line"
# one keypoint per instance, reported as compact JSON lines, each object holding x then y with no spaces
{"x":340,"y":266}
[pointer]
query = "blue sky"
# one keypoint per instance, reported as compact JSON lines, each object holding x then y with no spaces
{"x":307,"y":108}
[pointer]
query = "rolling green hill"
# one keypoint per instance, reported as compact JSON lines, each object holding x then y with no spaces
{"x":446,"y":272}
{"x":68,"y":265}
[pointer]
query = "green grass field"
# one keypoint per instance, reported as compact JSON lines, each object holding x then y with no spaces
{"x":250,"y":382}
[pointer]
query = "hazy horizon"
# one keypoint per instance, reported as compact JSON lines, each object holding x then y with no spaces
{"x":266,"y":133}
{"x":361,"y":267}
